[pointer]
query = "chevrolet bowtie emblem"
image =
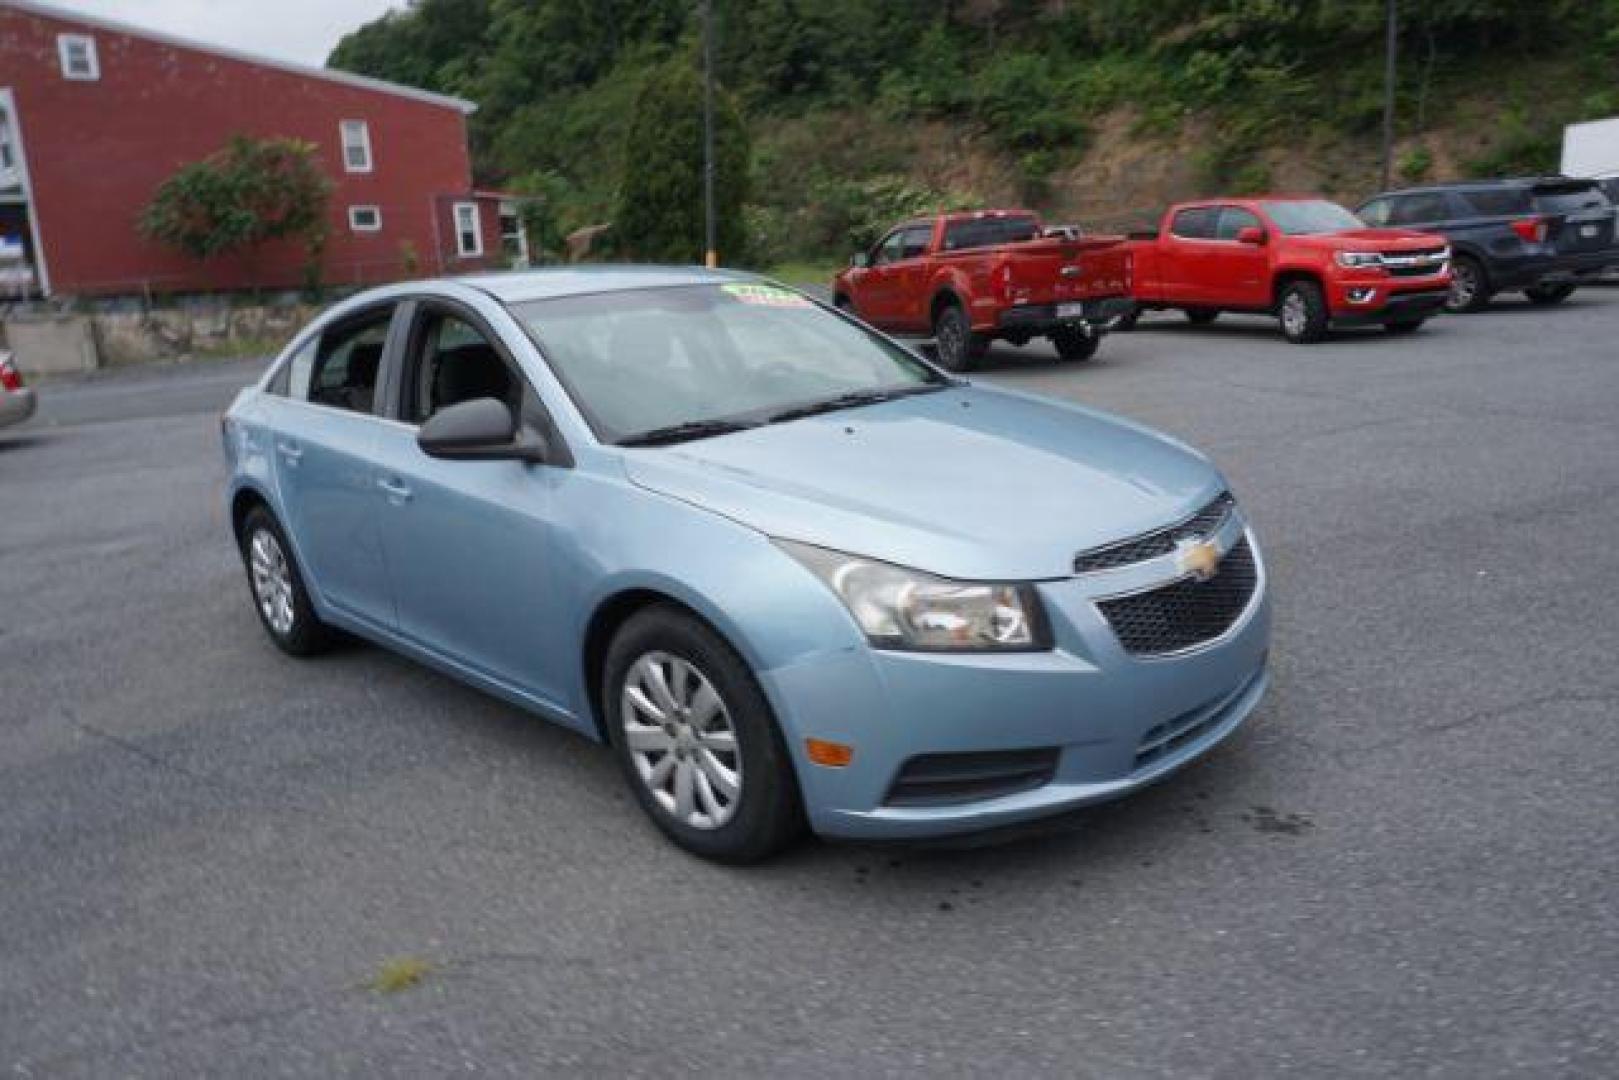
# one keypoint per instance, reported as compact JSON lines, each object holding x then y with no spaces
{"x":1197,"y":559}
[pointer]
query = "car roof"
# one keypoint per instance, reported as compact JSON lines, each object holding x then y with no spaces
{"x":1484,"y":185}
{"x":550,"y":283}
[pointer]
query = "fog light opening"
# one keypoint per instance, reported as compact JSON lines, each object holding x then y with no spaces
{"x":832,"y":755}
{"x":1362,"y":296}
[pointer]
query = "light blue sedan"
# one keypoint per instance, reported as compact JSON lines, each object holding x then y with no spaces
{"x":789,"y":571}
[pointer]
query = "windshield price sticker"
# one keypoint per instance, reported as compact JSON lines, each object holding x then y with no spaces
{"x":767,"y":296}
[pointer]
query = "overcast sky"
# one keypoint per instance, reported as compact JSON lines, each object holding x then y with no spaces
{"x":298,"y":30}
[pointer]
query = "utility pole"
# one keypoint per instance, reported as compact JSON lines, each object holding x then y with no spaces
{"x":712,"y":256}
{"x":1388,"y":95}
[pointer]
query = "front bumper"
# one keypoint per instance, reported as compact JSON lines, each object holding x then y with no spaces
{"x":1036,"y":319}
{"x":1088,"y":699}
{"x":1401,"y":304}
{"x":16,"y":406}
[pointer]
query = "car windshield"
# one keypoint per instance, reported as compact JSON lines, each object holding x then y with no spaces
{"x":1306,"y":217}
{"x":666,"y":364}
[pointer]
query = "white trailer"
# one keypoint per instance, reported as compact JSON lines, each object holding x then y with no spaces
{"x":1591,"y":149}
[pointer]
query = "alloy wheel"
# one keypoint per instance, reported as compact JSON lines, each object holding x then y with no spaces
{"x":1463,"y":287}
{"x":1295,"y":314}
{"x":272,"y":581}
{"x":681,"y":740}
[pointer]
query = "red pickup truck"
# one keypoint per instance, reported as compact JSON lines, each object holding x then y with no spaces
{"x":1309,"y":262}
{"x":968,"y":279}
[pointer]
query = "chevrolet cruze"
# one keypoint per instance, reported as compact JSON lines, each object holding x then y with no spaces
{"x":791,"y":573}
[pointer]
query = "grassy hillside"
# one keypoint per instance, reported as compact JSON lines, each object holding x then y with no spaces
{"x":1091,"y":110}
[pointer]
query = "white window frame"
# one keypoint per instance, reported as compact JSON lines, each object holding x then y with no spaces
{"x":365,"y":208}
{"x":476,"y":224}
{"x":65,"y":44}
{"x":362,"y":141}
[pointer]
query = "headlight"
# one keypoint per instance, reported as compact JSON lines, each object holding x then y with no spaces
{"x":1353,"y":259}
{"x":898,"y":608}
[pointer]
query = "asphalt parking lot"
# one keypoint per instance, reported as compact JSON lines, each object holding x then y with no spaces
{"x":1403,"y":865}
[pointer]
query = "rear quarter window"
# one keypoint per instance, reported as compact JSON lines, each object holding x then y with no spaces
{"x":1196,"y":223}
{"x":1570,"y":200}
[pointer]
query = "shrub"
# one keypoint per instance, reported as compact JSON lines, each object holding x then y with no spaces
{"x":252,"y":191}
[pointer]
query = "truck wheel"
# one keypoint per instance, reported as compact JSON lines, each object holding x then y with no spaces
{"x":1075,"y":344}
{"x":1201,"y":316}
{"x":957,"y":347}
{"x":1469,"y":286}
{"x":1303,"y":313}
{"x":843,"y":304}
{"x":1547,"y":295}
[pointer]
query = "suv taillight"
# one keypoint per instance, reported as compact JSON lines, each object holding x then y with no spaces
{"x":9,"y":378}
{"x":1531,"y":230}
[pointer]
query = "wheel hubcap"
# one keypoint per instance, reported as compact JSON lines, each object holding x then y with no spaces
{"x":272,"y":581}
{"x":681,"y":740}
{"x":1294,"y":314}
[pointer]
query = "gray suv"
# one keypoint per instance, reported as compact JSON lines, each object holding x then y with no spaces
{"x":1542,"y":236}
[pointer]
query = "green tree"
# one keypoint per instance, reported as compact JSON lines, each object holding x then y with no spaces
{"x":252,"y":191}
{"x":659,"y":213}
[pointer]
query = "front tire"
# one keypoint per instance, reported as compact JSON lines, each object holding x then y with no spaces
{"x":955,"y":344}
{"x":1547,"y":295}
{"x":279,"y":594}
{"x":1302,"y":312}
{"x":1074,"y":344}
{"x":1469,"y":286}
{"x":696,"y":739}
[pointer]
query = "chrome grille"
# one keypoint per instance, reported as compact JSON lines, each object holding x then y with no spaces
{"x":1205,"y":523}
{"x":1185,"y":613}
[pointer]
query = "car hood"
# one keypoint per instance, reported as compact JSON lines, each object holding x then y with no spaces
{"x":969,"y":482}
{"x":1372,"y":240}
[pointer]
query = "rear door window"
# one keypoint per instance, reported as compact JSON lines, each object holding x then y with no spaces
{"x":1195,"y":223}
{"x":1496,"y":202}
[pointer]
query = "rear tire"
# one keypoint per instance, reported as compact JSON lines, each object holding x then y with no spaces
{"x":1469,"y":286}
{"x":1547,"y":295}
{"x":1201,"y":316}
{"x":279,"y":594}
{"x":1075,"y":345}
{"x":736,"y":740}
{"x":1404,"y":326}
{"x":954,"y":343}
{"x":1302,"y":311}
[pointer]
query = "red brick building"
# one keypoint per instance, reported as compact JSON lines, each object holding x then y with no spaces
{"x":95,"y":115}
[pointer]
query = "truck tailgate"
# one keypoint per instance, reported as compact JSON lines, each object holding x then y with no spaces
{"x":1051,"y":270}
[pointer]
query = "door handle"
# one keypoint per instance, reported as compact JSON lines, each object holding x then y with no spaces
{"x":396,"y":490}
{"x":290,"y":451}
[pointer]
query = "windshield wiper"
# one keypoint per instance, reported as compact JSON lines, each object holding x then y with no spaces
{"x":691,"y":429}
{"x":851,"y":400}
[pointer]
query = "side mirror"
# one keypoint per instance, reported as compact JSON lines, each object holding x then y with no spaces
{"x":860,"y":260}
{"x":1251,"y":235}
{"x":482,"y":429}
